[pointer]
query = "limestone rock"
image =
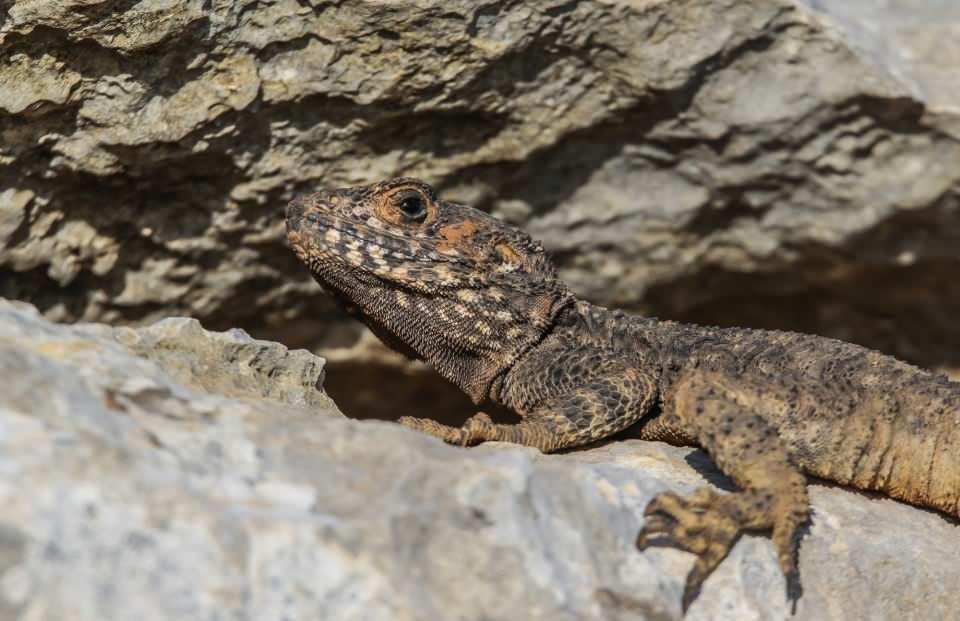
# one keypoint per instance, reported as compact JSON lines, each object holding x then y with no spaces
{"x":773,"y":163}
{"x":919,"y":41}
{"x":139,"y":481}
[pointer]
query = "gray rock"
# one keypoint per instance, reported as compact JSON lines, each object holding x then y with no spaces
{"x":774,"y":163}
{"x":139,"y":481}
{"x":918,"y":41}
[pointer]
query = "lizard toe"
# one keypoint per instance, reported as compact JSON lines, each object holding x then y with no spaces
{"x":691,"y":524}
{"x":701,"y":523}
{"x":708,"y":524}
{"x":477,"y":428}
{"x":446,"y":433}
{"x":480,"y":418}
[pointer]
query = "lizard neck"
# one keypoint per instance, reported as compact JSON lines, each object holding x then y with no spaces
{"x":480,"y":374}
{"x":592,"y":323}
{"x":462,"y":343}
{"x":456,"y":332}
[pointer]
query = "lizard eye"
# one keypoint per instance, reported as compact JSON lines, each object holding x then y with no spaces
{"x":412,"y":206}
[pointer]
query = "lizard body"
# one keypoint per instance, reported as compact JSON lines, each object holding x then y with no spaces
{"x":480,"y":300}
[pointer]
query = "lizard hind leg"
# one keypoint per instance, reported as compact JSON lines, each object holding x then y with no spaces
{"x":773,"y":494}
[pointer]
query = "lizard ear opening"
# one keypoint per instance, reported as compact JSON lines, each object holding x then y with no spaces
{"x":507,"y":253}
{"x":527,"y":257}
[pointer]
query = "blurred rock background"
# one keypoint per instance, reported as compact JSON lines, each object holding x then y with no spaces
{"x":769,"y":163}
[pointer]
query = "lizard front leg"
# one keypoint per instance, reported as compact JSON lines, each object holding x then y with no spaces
{"x":543,"y":431}
{"x":565,"y":396}
{"x":746,"y":448}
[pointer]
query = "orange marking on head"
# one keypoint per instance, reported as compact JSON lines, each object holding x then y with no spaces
{"x":454,"y":236}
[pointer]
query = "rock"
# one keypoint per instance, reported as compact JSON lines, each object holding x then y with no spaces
{"x":772,"y":163}
{"x":918,"y":41}
{"x":172,"y":473}
{"x":13,"y":205}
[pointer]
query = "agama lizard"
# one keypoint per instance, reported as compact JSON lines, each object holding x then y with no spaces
{"x":481,"y":301}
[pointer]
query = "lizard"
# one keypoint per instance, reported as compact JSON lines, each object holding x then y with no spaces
{"x":482,"y":302}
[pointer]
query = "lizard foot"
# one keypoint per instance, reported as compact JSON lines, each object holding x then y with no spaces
{"x":708,"y":524}
{"x":474,"y":430}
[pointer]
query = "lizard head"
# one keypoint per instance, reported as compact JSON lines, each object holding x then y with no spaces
{"x":435,"y":280}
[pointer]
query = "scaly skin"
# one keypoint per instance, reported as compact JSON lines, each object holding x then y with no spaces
{"x":481,"y":302}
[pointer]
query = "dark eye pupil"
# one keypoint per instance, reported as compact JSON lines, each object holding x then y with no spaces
{"x":412,"y":206}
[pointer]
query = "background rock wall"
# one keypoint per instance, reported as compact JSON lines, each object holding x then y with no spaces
{"x":770,"y":163}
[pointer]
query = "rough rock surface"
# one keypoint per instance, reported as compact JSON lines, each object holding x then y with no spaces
{"x":761,"y":162}
{"x":139,"y":481}
{"x":917,"y":40}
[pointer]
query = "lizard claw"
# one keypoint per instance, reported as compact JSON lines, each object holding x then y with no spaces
{"x":708,"y":524}
{"x":700,"y":524}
